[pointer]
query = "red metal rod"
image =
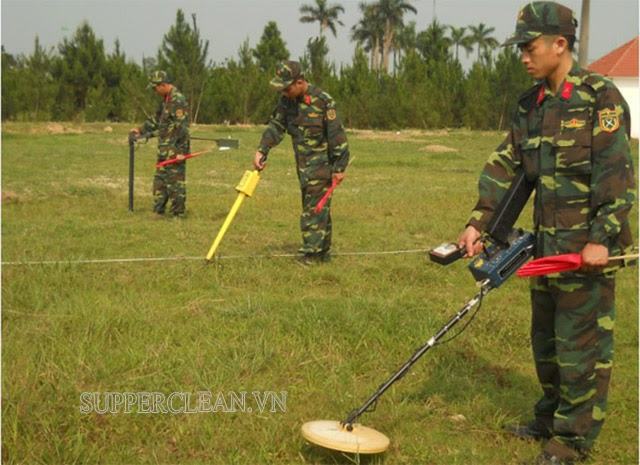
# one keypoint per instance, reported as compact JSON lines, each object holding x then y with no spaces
{"x":325,"y":197}
{"x":171,"y":161}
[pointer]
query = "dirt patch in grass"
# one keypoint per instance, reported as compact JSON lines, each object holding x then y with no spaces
{"x":10,"y":197}
{"x":104,"y":182}
{"x":435,"y":148}
{"x":400,"y":136}
{"x":57,"y":128}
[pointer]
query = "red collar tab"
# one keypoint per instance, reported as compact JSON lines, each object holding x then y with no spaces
{"x":307,"y":99}
{"x":567,"y":90}
{"x":540,"y":95}
{"x":167,"y":98}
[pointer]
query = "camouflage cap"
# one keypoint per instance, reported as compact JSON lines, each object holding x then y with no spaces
{"x":158,"y":77}
{"x":542,"y":18}
{"x":286,"y":73}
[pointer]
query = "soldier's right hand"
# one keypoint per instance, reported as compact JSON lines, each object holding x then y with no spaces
{"x":135,"y":131}
{"x":469,"y":239}
{"x":259,"y":161}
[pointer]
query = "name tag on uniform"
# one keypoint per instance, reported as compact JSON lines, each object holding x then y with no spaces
{"x":313,"y":115}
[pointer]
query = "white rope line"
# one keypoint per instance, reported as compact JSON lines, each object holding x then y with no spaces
{"x":223,"y":257}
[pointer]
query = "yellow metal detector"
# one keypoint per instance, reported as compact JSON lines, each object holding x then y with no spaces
{"x":245,"y":188}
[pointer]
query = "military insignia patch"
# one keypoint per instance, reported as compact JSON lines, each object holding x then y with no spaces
{"x":331,"y":114}
{"x":179,"y":113}
{"x":608,"y":120}
{"x":574,"y":123}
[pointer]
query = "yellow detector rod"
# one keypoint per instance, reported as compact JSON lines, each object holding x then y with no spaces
{"x":245,"y":188}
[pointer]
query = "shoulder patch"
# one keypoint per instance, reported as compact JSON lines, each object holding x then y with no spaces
{"x":331,"y":114}
{"x":608,"y":120}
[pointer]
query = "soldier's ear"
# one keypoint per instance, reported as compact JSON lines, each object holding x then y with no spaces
{"x":560,"y":45}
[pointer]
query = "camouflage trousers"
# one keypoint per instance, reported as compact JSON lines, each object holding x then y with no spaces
{"x":169,"y":183}
{"x":572,"y":340}
{"x":314,"y":174}
{"x":315,"y":227}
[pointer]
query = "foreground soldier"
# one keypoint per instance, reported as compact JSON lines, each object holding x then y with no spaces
{"x":309,"y":115}
{"x":171,"y":125}
{"x":570,"y":134}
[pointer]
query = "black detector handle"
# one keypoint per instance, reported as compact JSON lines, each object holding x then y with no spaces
{"x":509,"y":208}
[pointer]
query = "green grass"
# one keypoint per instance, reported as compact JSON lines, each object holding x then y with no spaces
{"x":327,"y":335}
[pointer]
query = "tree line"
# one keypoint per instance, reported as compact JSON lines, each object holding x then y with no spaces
{"x":398,"y":77}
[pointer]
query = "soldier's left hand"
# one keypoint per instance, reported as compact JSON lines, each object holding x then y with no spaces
{"x":337,"y":178}
{"x":180,"y":157}
{"x":594,"y":256}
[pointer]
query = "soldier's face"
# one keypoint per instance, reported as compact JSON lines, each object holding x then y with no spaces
{"x":541,"y":56}
{"x":162,"y":89}
{"x":294,"y":90}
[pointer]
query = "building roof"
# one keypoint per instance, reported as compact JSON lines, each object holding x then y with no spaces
{"x":621,"y":62}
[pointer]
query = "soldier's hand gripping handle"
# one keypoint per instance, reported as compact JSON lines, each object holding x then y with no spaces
{"x":134,"y":134}
{"x":259,"y":160}
{"x":470,"y":240}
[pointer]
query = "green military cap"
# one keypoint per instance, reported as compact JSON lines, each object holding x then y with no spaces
{"x":158,"y":77}
{"x":542,"y":18}
{"x":286,"y":73}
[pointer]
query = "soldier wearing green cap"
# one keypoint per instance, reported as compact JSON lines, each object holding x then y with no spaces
{"x":171,"y":125}
{"x":320,"y":145}
{"x":570,"y":135}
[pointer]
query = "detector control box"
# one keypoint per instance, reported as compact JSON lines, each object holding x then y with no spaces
{"x":496,"y":263}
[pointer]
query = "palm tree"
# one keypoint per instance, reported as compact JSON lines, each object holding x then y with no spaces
{"x":480,"y":36}
{"x":460,"y":39}
{"x":392,"y":12}
{"x":433,"y":43}
{"x":368,"y":33}
{"x":326,"y":15}
{"x":406,"y":39}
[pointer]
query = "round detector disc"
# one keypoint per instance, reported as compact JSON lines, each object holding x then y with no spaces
{"x":332,"y":435}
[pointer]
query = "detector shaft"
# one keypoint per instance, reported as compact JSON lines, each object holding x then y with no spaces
{"x":355,"y":414}
{"x":226,"y":224}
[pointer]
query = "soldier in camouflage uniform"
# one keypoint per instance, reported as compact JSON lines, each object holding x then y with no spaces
{"x":171,"y":125}
{"x":320,"y":145}
{"x":570,"y":135}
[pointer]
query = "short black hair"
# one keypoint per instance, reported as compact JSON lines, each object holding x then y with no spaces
{"x":571,"y":41}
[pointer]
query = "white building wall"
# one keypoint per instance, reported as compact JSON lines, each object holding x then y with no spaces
{"x":629,"y":89}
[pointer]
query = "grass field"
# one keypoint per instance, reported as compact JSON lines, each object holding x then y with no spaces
{"x":326,"y":335}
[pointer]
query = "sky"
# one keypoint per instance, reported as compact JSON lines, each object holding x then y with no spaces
{"x":141,"y":24}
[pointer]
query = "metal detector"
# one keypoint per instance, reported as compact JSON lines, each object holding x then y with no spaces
{"x":501,"y":258}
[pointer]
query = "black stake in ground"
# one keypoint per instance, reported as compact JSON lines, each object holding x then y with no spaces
{"x":132,"y":149}
{"x":133,"y":138}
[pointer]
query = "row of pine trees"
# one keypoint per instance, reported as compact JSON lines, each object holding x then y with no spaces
{"x":399,"y":76}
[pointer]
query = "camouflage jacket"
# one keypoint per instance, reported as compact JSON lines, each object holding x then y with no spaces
{"x":170,"y":123}
{"x":575,"y":146}
{"x":314,"y":127}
